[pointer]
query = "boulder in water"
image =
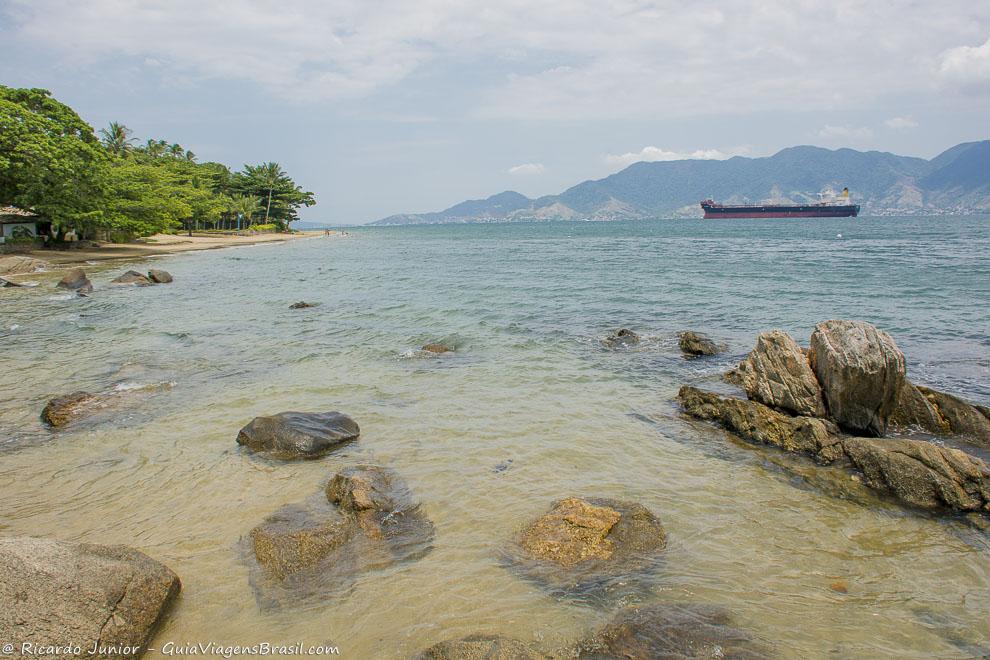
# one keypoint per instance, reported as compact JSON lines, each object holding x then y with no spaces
{"x":621,"y":337}
{"x":160,"y":276}
{"x":11,"y":264}
{"x":57,"y":593}
{"x":302,"y":304}
{"x":861,"y":372}
{"x":64,"y":409}
{"x":962,"y":418}
{"x":291,"y":435}
{"x":482,"y":647}
{"x":76,"y":280}
{"x":131,"y":277}
{"x":695,"y":344}
{"x":777,"y":373}
{"x":663,"y":630}
{"x":71,"y":408}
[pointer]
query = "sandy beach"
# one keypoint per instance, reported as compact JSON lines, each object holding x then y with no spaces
{"x":160,"y":244}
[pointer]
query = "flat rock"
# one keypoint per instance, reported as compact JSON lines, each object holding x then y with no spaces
{"x":75,"y":280}
{"x":291,"y":435}
{"x":482,"y":647}
{"x":581,"y":544}
{"x":620,"y":338}
{"x":861,"y":372}
{"x":58,"y":593}
{"x":758,"y":423}
{"x":160,"y":276}
{"x":777,"y":373}
{"x":695,"y":344}
{"x":672,"y":631}
{"x":296,"y":538}
{"x":12,"y":264}
{"x":132,"y":277}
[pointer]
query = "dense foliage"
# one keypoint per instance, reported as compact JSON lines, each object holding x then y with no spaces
{"x":53,"y":163}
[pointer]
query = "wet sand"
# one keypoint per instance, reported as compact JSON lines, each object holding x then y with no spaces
{"x":162,"y":244}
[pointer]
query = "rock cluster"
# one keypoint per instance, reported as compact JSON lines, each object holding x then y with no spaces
{"x":852,"y":383}
{"x":291,"y":435}
{"x":367,"y":519}
{"x":107,"y":598}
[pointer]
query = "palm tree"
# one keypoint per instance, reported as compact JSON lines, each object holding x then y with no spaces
{"x":117,"y":138}
{"x":190,"y":156}
{"x":244,"y":206}
{"x":155,"y":148}
{"x":176,"y":151}
{"x":268,"y":175}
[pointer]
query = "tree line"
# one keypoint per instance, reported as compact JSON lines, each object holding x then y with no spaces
{"x":54,"y":164}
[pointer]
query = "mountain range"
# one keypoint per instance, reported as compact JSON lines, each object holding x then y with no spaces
{"x":955,"y":181}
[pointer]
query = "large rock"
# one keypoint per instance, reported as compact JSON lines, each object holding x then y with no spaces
{"x":962,"y":418}
{"x":621,"y":338}
{"x":672,"y":631}
{"x":160,"y":276}
{"x":758,"y":423}
{"x":777,"y":373}
{"x":291,"y":435}
{"x":367,"y":520}
{"x":76,"y":280}
{"x":581,"y":545}
{"x":922,"y":474}
{"x":916,"y":472}
{"x":482,"y":647}
{"x":132,"y":277}
{"x":914,"y":411}
{"x":695,"y":344}
{"x":861,"y":372}
{"x":107,"y":598}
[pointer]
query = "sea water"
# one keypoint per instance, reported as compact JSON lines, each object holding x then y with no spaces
{"x":531,"y":407}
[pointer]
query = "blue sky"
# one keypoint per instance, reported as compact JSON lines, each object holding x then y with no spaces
{"x":385,"y":106}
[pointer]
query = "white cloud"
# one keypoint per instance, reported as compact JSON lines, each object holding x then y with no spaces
{"x":966,"y":65}
{"x":527,"y":169}
{"x":901,"y":123}
{"x":653,"y":154}
{"x":845,"y":133}
{"x":558,"y":59}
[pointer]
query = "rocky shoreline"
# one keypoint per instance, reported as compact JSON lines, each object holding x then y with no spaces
{"x":845,"y":402}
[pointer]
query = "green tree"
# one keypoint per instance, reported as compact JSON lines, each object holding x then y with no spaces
{"x":278,"y":193}
{"x":50,"y":160}
{"x":243,"y":206}
{"x":117,"y":139}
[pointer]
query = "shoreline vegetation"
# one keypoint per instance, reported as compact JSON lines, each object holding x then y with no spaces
{"x":80,"y":185}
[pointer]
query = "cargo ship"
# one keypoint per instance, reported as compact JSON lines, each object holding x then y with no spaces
{"x":828,"y":206}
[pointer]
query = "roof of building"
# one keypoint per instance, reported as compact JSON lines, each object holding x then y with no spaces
{"x":13,"y":214}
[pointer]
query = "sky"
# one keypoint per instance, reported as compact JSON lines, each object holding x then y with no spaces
{"x":392,"y":106}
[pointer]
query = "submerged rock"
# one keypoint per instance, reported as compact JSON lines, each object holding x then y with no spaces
{"x":437,"y":348}
{"x":672,"y":631}
{"x":291,"y":435}
{"x":482,"y":647}
{"x":581,"y":542}
{"x":68,"y":409}
{"x":777,"y":374}
{"x":916,"y":472}
{"x":160,"y":276}
{"x":131,"y":277}
{"x":695,"y":344}
{"x":621,"y":337}
{"x":861,"y":372}
{"x":57,"y":593}
{"x":367,"y":520}
{"x":302,"y":304}
{"x":76,"y":280}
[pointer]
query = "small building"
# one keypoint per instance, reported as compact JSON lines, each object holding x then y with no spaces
{"x":15,"y":222}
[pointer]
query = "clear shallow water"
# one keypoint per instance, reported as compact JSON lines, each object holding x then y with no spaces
{"x":526,"y":305}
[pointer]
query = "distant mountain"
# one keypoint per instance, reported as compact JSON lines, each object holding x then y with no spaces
{"x":956,"y":181}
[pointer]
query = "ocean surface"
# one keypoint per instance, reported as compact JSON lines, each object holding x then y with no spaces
{"x":530,"y":408}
